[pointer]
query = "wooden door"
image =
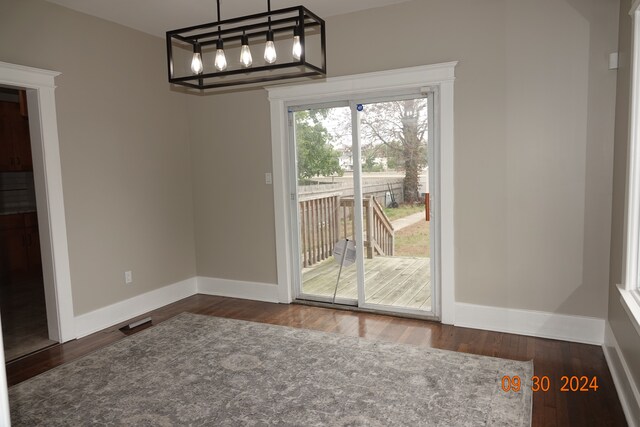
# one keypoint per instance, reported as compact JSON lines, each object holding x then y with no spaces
{"x":32,"y":238}
{"x":6,"y":138}
{"x":15,"y":141}
{"x":22,"y":143}
{"x":14,"y":260}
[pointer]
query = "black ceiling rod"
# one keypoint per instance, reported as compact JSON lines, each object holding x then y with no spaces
{"x":269,"y":10}
{"x":219,"y":29}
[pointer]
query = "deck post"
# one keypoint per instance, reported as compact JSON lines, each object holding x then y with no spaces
{"x":336,"y":212}
{"x":370,"y":233}
{"x":353,"y":221}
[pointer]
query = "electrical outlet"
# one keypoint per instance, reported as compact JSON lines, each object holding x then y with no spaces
{"x":128,"y":277}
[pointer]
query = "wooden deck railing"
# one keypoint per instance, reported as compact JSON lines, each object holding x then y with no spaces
{"x":382,"y":235}
{"x":319,"y":227}
{"x":378,"y":231}
{"x":327,"y":219}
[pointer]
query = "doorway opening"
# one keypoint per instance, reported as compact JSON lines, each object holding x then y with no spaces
{"x":362,"y":170}
{"x":39,"y":86}
{"x":22,"y":293}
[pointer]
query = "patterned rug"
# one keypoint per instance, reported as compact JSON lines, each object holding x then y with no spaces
{"x":200,"y":370}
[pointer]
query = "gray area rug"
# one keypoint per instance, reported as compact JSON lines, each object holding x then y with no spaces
{"x":200,"y":370}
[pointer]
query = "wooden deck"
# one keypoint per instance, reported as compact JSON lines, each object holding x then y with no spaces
{"x":395,"y":281}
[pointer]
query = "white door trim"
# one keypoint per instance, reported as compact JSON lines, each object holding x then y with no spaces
{"x":331,"y":89}
{"x":47,"y":172}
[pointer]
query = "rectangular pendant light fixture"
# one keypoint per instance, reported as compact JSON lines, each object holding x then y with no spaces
{"x":255,"y":49}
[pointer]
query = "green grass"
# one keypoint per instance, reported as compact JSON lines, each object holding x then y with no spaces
{"x":402,"y":211}
{"x":413,"y":240}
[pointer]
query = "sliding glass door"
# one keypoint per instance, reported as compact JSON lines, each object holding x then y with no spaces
{"x":363,"y":202}
{"x":394,"y":146}
{"x":324,"y":210}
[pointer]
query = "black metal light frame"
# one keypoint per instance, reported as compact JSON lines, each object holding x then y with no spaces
{"x":281,"y":21}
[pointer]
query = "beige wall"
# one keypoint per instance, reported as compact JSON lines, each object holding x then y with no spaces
{"x":534,"y":121}
{"x":231,"y":151}
{"x":625,"y":333}
{"x":124,"y":149}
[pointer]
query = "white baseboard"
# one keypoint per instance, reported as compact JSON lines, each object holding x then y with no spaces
{"x":589,"y":330}
{"x":238,"y":289}
{"x":626,"y":387}
{"x":106,"y":317}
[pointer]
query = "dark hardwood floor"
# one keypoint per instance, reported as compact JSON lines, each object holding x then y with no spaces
{"x":554,"y":359}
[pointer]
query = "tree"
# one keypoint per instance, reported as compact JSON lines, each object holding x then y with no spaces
{"x":316,"y":156}
{"x":401,"y":127}
{"x":369,"y":155}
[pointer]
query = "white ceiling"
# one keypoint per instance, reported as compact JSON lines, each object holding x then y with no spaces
{"x":159,"y":16}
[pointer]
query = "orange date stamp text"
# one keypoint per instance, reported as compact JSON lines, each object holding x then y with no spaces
{"x":568,"y":383}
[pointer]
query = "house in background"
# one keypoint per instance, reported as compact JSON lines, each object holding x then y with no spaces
{"x":166,"y":184}
{"x":346,"y":159}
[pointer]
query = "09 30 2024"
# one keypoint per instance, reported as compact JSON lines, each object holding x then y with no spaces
{"x":567,"y":383}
